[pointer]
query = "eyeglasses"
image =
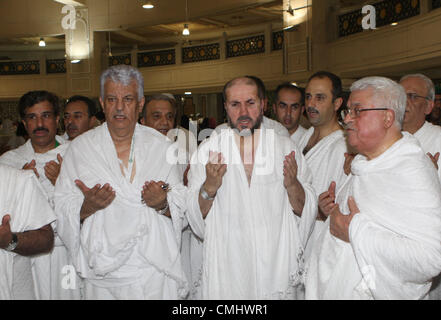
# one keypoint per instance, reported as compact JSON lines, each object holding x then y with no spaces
{"x":414,"y":96}
{"x":355,"y":112}
{"x":44,"y":116}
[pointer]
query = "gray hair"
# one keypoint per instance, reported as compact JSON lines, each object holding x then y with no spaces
{"x":163,"y":96}
{"x":123,"y":74}
{"x":427,"y":82}
{"x":386,"y":94}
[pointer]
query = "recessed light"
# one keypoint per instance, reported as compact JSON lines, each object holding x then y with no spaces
{"x":148,"y":5}
{"x":76,"y":61}
{"x":188,"y":93}
{"x":394,"y":23}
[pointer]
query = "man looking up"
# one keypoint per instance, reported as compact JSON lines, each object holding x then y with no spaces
{"x":43,"y":154}
{"x":289,"y":107}
{"x":79,"y":116}
{"x":120,"y":202}
{"x":251,"y":202}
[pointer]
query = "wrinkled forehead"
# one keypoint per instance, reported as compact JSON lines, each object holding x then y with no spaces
{"x":242,"y":88}
{"x":43,"y":106}
{"x":414,"y":84}
{"x":120,"y":88}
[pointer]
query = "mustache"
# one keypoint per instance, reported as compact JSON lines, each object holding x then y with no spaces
{"x":72,"y":127}
{"x":312,"y":109}
{"x":244,"y":118}
{"x":40,"y":129}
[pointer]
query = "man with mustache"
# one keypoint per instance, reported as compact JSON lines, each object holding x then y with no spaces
{"x":269,"y":123}
{"x":120,"y":203}
{"x":382,"y":239}
{"x":159,"y":113}
{"x":289,"y":107}
{"x":324,"y":144}
{"x":79,"y":116}
{"x":251,"y":202}
{"x":420,"y":93}
{"x":43,"y":154}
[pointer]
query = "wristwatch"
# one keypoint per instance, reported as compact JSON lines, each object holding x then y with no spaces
{"x":13,"y":244}
{"x":205,"y":195}
{"x":162,"y":211}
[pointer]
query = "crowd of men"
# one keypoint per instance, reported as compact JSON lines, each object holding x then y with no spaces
{"x":133,"y":208}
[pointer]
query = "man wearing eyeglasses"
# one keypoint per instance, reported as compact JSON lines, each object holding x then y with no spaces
{"x":289,"y":107}
{"x":435,"y":116}
{"x":382,"y":239}
{"x":420,"y":93}
{"x":43,"y":154}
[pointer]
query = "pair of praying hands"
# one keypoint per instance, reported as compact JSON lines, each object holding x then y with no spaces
{"x":51,"y":169}
{"x":100,"y":197}
{"x":339,"y":223}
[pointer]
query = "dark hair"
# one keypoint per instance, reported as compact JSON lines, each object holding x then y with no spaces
{"x":290,"y":86}
{"x":336,"y":82}
{"x":252,"y":80}
{"x":33,"y":97}
{"x":91,"y":106}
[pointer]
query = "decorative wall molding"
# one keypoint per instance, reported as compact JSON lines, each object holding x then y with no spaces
{"x":201,"y":53}
{"x":120,"y":59}
{"x":156,"y":58}
{"x":55,"y":66}
{"x":246,"y":46}
{"x":19,"y":67}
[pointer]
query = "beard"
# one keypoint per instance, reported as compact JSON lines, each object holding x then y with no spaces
{"x":245,"y":132}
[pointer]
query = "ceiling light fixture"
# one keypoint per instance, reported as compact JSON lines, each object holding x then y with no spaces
{"x":42,"y":43}
{"x":148,"y":5}
{"x":76,"y":61}
{"x":186,"y":31}
{"x":187,"y":93}
{"x":394,"y":23}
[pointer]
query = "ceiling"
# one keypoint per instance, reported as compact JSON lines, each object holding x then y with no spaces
{"x":160,"y":27}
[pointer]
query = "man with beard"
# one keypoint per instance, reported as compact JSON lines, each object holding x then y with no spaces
{"x":278,"y":128}
{"x":289,"y":107}
{"x":324,"y":144}
{"x":42,"y":153}
{"x":420,"y":93}
{"x":251,"y":202}
{"x":79,"y":116}
{"x":382,"y":239}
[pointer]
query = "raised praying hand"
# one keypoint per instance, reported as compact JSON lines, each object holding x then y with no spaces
{"x":52,"y":169}
{"x":154,"y":195}
{"x":326,"y":202}
{"x":434,"y":159}
{"x":31,"y":166}
{"x":339,"y":223}
{"x":215,"y":170}
{"x":5,"y":232}
{"x":96,"y":198}
{"x":290,"y":170}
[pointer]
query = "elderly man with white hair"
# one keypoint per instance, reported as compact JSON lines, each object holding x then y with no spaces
{"x":382,"y":238}
{"x":420,"y":93}
{"x":120,"y":203}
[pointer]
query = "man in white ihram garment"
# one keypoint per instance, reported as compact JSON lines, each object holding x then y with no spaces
{"x":120,"y":204}
{"x":43,"y":154}
{"x":159,"y":113}
{"x":420,"y":93}
{"x":25,"y":231}
{"x":267,"y":122}
{"x":323,"y":145}
{"x":246,"y":187}
{"x":382,"y":238}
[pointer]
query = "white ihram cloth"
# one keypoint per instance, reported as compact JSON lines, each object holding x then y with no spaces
{"x":127,"y":250}
{"x":253,"y":242}
{"x":395,"y":240}
{"x":47,"y":269}
{"x":298,"y":134}
{"x":23,"y":199}
{"x":326,"y":160}
{"x":278,"y":128}
{"x":429,"y":136}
